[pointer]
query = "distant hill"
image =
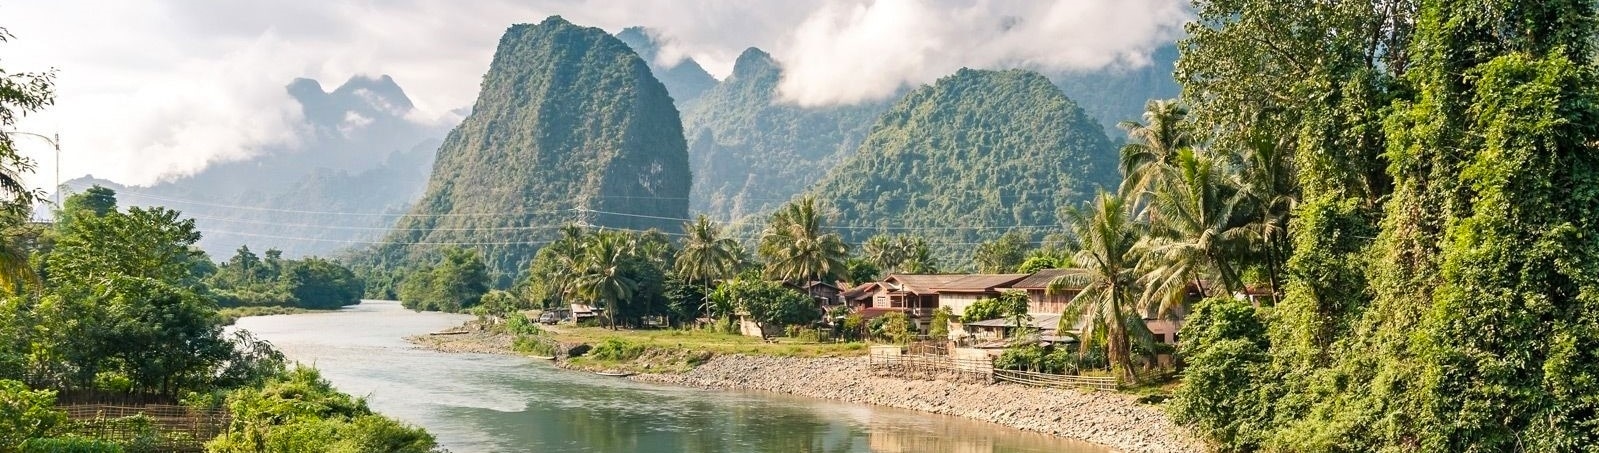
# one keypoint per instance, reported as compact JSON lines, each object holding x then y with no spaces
{"x":569,"y":125}
{"x":361,"y":164}
{"x":1113,"y":95}
{"x":751,"y":153}
{"x":685,"y":80}
{"x":974,"y":151}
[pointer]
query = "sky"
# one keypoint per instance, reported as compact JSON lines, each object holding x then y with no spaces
{"x":153,"y":89}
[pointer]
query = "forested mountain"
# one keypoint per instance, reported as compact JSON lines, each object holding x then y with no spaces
{"x":360,"y":165}
{"x":1113,"y":95}
{"x":750,"y":152}
{"x":685,"y":80}
{"x":966,"y":159}
{"x":569,"y":126}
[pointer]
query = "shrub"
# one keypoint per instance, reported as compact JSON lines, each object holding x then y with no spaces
{"x":26,"y":413}
{"x":617,"y":350}
{"x":68,"y":444}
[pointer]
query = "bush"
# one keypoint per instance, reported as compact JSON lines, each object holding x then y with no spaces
{"x":299,"y":411}
{"x":68,"y":444}
{"x":1224,"y":345}
{"x":616,"y":350}
{"x":25,"y":413}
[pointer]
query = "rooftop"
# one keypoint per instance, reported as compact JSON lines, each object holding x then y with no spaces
{"x":979,"y":282}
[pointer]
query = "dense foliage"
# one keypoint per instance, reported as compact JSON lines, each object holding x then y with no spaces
{"x":457,"y":282}
{"x":300,"y":411}
{"x":569,"y":126}
{"x":975,"y":150}
{"x":248,"y":280}
{"x":768,"y":303}
{"x":751,"y":151}
{"x":1438,"y":281}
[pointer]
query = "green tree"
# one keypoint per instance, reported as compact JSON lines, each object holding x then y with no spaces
{"x":768,"y":304}
{"x":300,"y":411}
{"x":319,"y":283}
{"x":939,"y":326}
{"x":859,"y":271}
{"x":604,"y":278}
{"x":796,"y":249}
{"x":26,"y":414}
{"x":1225,"y":342}
{"x":1200,"y":233}
{"x":95,"y":201}
{"x":707,"y":254}
{"x":1148,"y":160}
{"x":1107,"y":276}
{"x":153,"y":243}
{"x":1003,"y":254}
{"x":457,"y":282}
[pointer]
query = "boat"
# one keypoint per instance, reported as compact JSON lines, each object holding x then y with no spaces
{"x":543,"y":357}
{"x":614,"y":373}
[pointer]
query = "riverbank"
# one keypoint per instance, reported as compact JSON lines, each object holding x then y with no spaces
{"x":1111,"y":419}
{"x":1115,"y":420}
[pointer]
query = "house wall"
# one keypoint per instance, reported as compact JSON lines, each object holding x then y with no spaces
{"x":748,"y":328}
{"x":1038,"y":302}
{"x":957,"y":302}
{"x":1165,"y":330}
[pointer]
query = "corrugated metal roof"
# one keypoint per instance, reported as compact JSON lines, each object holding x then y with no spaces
{"x":980,"y":282}
{"x":918,"y":284}
{"x":1039,"y":280}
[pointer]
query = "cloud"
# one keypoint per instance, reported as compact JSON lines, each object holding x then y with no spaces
{"x":852,"y":51}
{"x":151,"y":89}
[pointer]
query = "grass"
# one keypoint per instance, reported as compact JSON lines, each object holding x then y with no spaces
{"x":673,"y":350}
{"x":227,"y":316}
{"x":709,"y":341}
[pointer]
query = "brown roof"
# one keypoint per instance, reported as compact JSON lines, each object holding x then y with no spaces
{"x":859,"y":290}
{"x":979,"y":282}
{"x":1039,"y":280}
{"x":873,"y":312}
{"x":918,"y":284}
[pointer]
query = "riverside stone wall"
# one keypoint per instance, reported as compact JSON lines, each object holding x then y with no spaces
{"x":1106,"y":418}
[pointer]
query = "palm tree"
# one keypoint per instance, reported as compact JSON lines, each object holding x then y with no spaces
{"x":1268,"y":186}
{"x":1107,"y":278}
{"x":882,"y":251}
{"x":795,"y":248}
{"x":603,"y":278}
{"x":1147,"y":159}
{"x":1201,"y":230}
{"x":707,"y":255}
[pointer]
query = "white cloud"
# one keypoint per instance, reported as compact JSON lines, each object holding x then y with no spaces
{"x":155,"y":88}
{"x":851,"y":51}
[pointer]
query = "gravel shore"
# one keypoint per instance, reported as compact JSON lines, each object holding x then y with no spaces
{"x":1111,"y":419}
{"x":1106,"y":418}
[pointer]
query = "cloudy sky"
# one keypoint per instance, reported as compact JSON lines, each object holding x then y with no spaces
{"x":156,"y":88}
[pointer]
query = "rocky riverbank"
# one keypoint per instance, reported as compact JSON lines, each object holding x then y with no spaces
{"x":1106,"y":418}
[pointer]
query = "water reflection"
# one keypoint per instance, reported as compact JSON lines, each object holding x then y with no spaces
{"x":485,"y":403}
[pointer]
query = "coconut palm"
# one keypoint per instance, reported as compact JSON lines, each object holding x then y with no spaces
{"x":1267,"y":184}
{"x":882,"y":251}
{"x":1106,"y":278}
{"x":603,"y":278}
{"x":1147,"y":159}
{"x":1199,"y":234}
{"x":707,"y":254}
{"x":795,"y":248}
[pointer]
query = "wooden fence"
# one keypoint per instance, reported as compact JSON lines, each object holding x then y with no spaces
{"x":1055,"y":380}
{"x":892,"y":361}
{"x":167,"y":427}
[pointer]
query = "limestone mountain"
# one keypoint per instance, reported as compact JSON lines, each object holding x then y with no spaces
{"x":968,"y":158}
{"x":685,"y":79}
{"x":359,"y":163}
{"x":751,"y":152}
{"x":569,"y":126}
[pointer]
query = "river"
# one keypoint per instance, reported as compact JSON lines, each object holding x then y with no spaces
{"x":492,"y":403}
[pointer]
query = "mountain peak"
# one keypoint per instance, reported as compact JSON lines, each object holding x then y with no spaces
{"x":753,"y":61}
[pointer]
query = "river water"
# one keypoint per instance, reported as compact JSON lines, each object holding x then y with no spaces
{"x":491,"y":403}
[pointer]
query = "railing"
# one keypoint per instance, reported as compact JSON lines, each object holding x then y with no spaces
{"x":935,"y":367}
{"x":892,"y":361}
{"x":170,"y":427}
{"x":1055,"y":380}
